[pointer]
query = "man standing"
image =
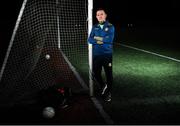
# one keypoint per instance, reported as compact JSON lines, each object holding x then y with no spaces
{"x":102,"y":36}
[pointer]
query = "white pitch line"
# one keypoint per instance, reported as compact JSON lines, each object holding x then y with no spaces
{"x":142,"y":50}
{"x":81,"y":81}
{"x":97,"y":104}
{"x":106,"y":117}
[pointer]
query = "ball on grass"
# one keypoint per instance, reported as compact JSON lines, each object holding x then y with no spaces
{"x":48,"y":112}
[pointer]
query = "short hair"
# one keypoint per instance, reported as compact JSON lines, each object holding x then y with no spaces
{"x":99,"y":9}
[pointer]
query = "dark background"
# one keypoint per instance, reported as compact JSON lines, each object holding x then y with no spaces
{"x":9,"y":11}
{"x":140,"y":13}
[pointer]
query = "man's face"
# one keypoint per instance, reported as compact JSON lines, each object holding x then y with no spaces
{"x":101,"y":16}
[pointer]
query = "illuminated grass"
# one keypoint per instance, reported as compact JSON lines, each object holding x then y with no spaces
{"x":144,"y":74}
{"x":146,"y":87}
{"x":138,"y":74}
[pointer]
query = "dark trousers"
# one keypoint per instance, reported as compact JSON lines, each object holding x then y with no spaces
{"x":99,"y":62}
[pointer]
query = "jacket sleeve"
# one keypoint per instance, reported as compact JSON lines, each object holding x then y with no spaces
{"x":108,"y":39}
{"x":91,"y":39}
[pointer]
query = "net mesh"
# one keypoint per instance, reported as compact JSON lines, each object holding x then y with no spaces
{"x":52,"y":35}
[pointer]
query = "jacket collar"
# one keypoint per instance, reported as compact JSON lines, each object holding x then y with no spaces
{"x":105,"y":24}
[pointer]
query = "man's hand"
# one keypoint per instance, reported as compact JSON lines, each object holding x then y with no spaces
{"x":98,"y":38}
{"x":99,"y":42}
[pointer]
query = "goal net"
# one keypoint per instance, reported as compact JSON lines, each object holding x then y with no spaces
{"x":48,"y":47}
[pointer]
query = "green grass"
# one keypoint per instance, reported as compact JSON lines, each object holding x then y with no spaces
{"x":144,"y":75}
{"x":145,"y":87}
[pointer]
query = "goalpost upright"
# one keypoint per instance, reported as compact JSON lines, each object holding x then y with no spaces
{"x":90,"y":22}
{"x":12,"y":39}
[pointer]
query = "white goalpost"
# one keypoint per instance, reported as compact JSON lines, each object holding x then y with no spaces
{"x":90,"y":22}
